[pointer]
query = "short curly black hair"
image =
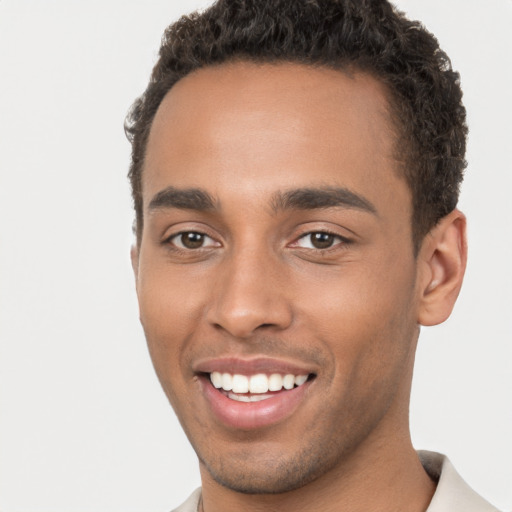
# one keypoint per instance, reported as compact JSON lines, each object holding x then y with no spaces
{"x":367,"y":35}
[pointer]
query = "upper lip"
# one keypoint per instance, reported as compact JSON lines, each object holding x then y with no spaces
{"x":251,"y":366}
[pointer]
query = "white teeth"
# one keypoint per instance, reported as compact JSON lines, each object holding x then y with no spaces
{"x":289,"y":381}
{"x":300,"y":379}
{"x":227,"y":382}
{"x":275,"y":382}
{"x":248,"y":398}
{"x":216,"y":378}
{"x":240,"y":384}
{"x":258,"y":384}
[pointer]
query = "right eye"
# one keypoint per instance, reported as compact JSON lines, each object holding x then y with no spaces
{"x":318,"y":240}
{"x":190,"y":240}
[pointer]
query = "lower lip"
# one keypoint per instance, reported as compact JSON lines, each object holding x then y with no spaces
{"x":253,"y":415}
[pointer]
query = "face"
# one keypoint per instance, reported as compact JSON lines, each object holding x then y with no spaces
{"x":276,"y":260}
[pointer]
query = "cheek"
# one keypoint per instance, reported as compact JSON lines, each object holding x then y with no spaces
{"x":370,"y":336}
{"x":163,"y":315}
{"x":168,"y":301}
{"x":365,"y":318}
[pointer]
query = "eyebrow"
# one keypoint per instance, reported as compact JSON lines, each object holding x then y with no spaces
{"x":318,"y":198}
{"x":185,"y":199}
{"x":296,"y":199}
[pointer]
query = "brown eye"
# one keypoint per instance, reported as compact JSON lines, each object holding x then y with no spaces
{"x":322,"y":240}
{"x":192,"y":240}
{"x":318,"y":240}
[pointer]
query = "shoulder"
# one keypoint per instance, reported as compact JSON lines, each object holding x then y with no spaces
{"x":191,"y":504}
{"x":452,"y":494}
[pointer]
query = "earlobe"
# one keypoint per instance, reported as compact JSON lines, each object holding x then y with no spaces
{"x":442,"y":257}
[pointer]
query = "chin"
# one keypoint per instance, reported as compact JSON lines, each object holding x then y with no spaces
{"x":251,"y":481}
{"x":273,"y":473}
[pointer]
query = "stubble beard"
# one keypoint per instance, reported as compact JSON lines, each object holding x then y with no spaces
{"x":275,"y":475}
{"x":275,"y":472}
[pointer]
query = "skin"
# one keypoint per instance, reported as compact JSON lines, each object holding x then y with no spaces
{"x":257,"y":287}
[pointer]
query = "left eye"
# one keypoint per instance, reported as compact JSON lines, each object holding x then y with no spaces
{"x":192,"y":240}
{"x":318,"y":240}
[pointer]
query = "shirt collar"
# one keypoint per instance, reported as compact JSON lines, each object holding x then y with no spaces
{"x":452,"y":492}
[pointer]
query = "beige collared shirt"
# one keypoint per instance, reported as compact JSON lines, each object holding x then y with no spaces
{"x":452,"y":493}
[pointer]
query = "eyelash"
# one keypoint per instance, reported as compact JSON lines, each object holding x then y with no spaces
{"x":342,"y":241}
{"x":169,"y":240}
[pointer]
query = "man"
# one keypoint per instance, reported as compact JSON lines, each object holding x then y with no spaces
{"x":295,"y":174}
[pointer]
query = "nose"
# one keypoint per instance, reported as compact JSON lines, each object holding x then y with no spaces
{"x":250,"y":296}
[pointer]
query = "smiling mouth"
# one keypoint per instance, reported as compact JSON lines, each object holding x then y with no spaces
{"x":258,"y":387}
{"x":248,"y":395}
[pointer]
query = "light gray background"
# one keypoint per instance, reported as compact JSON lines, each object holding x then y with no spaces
{"x":84,"y":425}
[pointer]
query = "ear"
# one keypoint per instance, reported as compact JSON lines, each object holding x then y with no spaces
{"x":134,"y":255}
{"x":442,"y":263}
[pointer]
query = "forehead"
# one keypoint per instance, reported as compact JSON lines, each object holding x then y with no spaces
{"x":242,"y":125}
